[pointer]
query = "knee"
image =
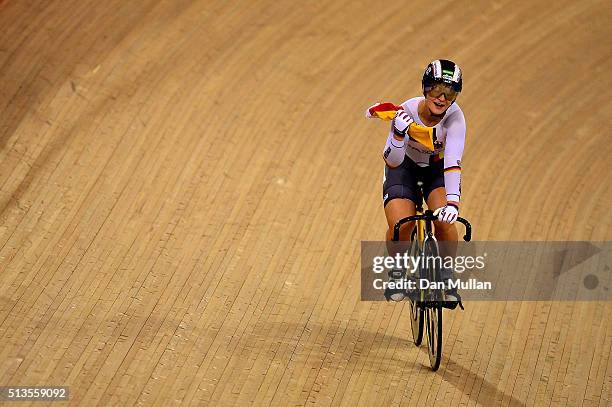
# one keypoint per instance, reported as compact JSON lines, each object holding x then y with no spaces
{"x":444,"y":228}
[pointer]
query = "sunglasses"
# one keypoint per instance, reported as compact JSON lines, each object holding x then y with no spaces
{"x":442,"y":89}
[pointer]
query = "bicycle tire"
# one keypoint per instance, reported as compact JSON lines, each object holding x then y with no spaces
{"x":433,"y":313}
{"x":417,"y":315}
{"x":433,"y":316}
{"x":416,"y":321}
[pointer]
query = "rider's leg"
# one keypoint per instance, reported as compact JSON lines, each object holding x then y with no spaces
{"x":399,"y":194}
{"x":395,"y":210}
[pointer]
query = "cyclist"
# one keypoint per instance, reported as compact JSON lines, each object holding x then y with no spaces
{"x":436,"y":163}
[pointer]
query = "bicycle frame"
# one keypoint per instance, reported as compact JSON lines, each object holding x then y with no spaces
{"x":422,"y":233}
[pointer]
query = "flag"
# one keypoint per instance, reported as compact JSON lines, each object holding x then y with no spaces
{"x":421,"y":134}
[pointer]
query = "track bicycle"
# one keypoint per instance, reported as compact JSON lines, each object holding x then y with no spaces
{"x":426,"y":304}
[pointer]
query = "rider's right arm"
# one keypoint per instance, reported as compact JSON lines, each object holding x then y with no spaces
{"x":395,"y":150}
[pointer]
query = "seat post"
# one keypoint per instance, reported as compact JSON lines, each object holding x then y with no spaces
{"x":419,"y":205}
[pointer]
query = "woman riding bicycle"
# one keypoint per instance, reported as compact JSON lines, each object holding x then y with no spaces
{"x":437,"y":164}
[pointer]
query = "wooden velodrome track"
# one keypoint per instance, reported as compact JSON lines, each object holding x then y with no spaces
{"x":185,"y":185}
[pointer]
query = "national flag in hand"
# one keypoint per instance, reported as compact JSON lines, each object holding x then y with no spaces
{"x":421,"y":134}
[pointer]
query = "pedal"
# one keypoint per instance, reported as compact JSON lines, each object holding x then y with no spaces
{"x":395,"y":294}
{"x":453,"y":303}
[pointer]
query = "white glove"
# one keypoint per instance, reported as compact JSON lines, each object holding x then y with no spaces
{"x":401,"y":123}
{"x":448,"y":213}
{"x":370,"y":115}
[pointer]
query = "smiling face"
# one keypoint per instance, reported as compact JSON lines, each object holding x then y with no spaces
{"x":439,"y":98}
{"x":437,"y":105}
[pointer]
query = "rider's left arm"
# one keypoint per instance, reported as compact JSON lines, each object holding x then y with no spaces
{"x":453,"y":151}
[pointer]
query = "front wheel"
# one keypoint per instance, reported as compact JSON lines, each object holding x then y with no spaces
{"x":417,"y":315}
{"x":433,"y":319}
{"x":433,"y":310}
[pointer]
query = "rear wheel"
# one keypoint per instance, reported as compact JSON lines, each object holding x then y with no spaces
{"x":416,"y":319}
